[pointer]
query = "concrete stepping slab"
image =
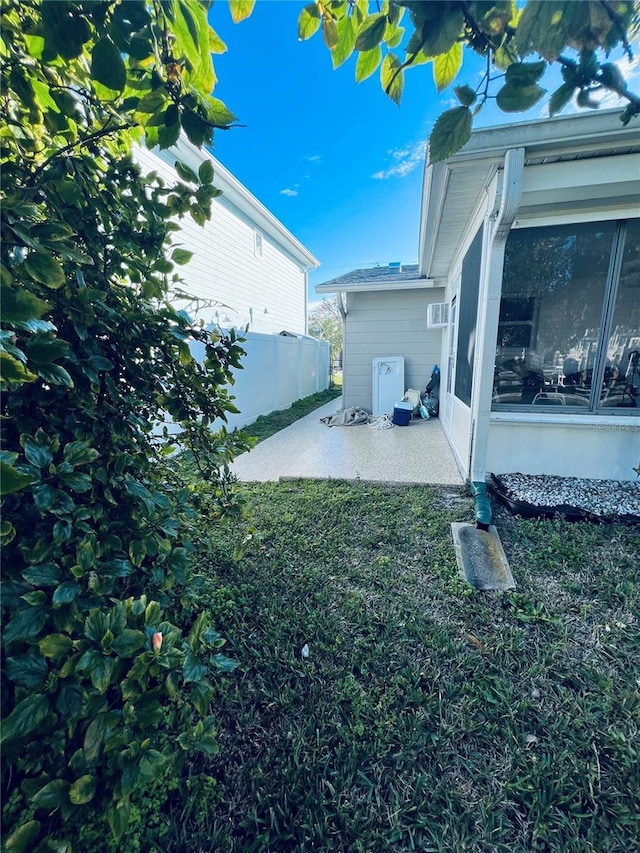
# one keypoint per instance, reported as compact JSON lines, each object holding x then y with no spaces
{"x":481,"y":558}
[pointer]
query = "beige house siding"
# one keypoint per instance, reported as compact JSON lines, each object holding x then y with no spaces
{"x":385,"y":324}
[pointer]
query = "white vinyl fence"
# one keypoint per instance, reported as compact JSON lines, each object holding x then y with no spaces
{"x":277,"y":371}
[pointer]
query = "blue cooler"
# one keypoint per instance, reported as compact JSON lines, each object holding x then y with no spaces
{"x":402,"y":414}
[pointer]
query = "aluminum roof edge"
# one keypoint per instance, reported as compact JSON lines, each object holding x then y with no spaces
{"x":245,"y":201}
{"x":406,"y":284}
{"x":557,"y":132}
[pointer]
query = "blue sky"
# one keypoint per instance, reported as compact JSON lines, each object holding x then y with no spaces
{"x":337,"y":162}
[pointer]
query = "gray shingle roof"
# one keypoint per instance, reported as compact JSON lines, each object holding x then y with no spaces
{"x":375,"y":275}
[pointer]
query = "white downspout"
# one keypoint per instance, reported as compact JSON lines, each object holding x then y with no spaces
{"x":342,"y":308}
{"x":489,"y":313}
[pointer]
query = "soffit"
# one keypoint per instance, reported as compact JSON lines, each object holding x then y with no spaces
{"x":464,"y":188}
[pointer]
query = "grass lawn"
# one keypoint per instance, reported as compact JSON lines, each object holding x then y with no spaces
{"x":427,"y":716}
{"x":267,"y":425}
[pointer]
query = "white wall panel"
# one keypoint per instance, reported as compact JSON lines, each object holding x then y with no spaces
{"x":276,"y":372}
{"x":266,"y":292}
{"x":599,"y":449}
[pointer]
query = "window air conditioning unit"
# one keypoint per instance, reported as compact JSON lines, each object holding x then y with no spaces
{"x":437,"y":315}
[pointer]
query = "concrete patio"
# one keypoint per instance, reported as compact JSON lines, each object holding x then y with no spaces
{"x":417,"y":453}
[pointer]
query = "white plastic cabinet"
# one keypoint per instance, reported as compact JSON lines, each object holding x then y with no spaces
{"x":387,"y":383}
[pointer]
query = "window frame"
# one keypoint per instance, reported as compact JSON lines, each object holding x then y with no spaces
{"x":612,"y":284}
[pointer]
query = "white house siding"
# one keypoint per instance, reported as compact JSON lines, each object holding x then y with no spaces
{"x":267,"y":293}
{"x":385,"y":324}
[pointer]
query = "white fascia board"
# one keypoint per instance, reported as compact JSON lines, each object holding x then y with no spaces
{"x":239,"y":196}
{"x":578,"y":132}
{"x":365,"y":286}
{"x":434,"y":191}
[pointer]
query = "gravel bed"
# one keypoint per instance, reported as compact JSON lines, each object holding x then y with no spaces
{"x":599,"y":498}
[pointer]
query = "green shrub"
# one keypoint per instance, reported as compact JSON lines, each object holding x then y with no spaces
{"x":107,"y":661}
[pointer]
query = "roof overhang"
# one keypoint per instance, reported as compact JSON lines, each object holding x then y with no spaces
{"x":239,"y":196}
{"x":453,"y":189}
{"x":365,"y":286}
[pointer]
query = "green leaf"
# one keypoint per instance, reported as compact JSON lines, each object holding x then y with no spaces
{"x":218,"y":113}
{"x":152,"y":613}
{"x":308,"y":21}
{"x":561,"y":98}
{"x":216,"y":45}
{"x":25,"y":625}
{"x":23,"y":839}
{"x":241,"y":9}
{"x":12,"y":370}
{"x":52,"y":795}
{"x":28,"y":670}
{"x":465,"y":95}
{"x":446,"y":66}
{"x":44,"y":268}
{"x":79,"y":453}
{"x":392,"y":77}
{"x":101,"y":672}
{"x":128,"y":642}
{"x":118,"y":819}
{"x":367,"y":63}
{"x":51,"y":231}
{"x":83,"y":790}
{"x":514,"y":99}
{"x":65,"y":593}
{"x":205,"y":172}
{"x":37,"y":455}
{"x":152,"y":764}
{"x":137,"y":551}
{"x":77,"y":482}
{"x":55,"y":646}
{"x":54,"y":374}
{"x":94,"y":737}
{"x":192,"y":31}
{"x":346,"y":41}
{"x":107,"y":66}
{"x":150,"y":104}
{"x":393,"y":36}
{"x":45,"y":575}
{"x":46,"y":348}
{"x":168,"y":135}
{"x":197,"y":130}
{"x":25,"y":717}
{"x":181,"y":256}
{"x":64,"y":35}
{"x":329,"y":32}
{"x":192,"y":668}
{"x":70,"y":701}
{"x":224,"y":663}
{"x":440,"y":32}
{"x":450,"y":133}
{"x":7,"y":532}
{"x":371,"y":32}
{"x":545,"y":26}
{"x":201,"y":695}
{"x":35,"y":598}
{"x":12,"y":480}
{"x":186,"y":172}
{"x":18,"y":306}
{"x":525,"y":73}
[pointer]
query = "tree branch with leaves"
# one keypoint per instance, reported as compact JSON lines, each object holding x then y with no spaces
{"x":579,"y":35}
